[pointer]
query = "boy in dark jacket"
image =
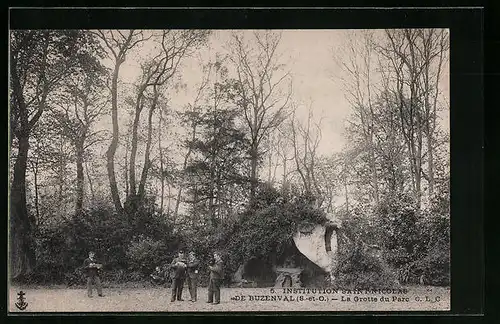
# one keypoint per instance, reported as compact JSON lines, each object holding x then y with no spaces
{"x":215,"y":280}
{"x":178,"y":266}
{"x":192,"y":275}
{"x":157,"y":277}
{"x":92,"y":268}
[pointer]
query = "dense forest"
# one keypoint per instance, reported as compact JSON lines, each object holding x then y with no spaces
{"x":101,"y":160}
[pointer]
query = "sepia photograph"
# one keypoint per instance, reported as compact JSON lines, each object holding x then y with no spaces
{"x":229,"y":170}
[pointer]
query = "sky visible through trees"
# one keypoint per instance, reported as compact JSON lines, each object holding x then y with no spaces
{"x":310,"y":55}
{"x":314,"y":59}
{"x":192,"y":122}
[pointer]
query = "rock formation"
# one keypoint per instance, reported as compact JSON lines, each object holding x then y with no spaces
{"x":319,"y":244}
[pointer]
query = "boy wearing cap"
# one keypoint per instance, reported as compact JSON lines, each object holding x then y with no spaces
{"x":178,"y":266}
{"x":215,"y":280}
{"x":192,"y":275}
{"x":92,"y":269}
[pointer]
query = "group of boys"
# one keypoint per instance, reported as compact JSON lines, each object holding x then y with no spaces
{"x":188,"y":269}
{"x":182,"y":268}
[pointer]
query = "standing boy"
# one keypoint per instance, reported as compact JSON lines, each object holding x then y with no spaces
{"x":215,"y":280}
{"x":178,"y":266}
{"x":92,"y":269}
{"x":192,"y":275}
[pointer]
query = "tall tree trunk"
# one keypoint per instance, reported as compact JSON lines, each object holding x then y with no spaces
{"x":212,"y":199}
{"x":430,"y":165}
{"x":419,"y":162}
{"x":211,"y":205}
{"x":134,"y":143}
{"x":221,"y":202}
{"x":269,"y":166}
{"x":147,"y":162}
{"x":22,"y":256}
{"x":431,"y":121}
{"x":110,"y":154}
{"x":253,"y":171}
{"x":213,"y":173}
{"x":79,"y":176}
{"x":371,"y":130}
{"x":35,"y":183}
{"x":418,"y":186}
{"x":186,"y":159}
{"x":417,"y":127}
{"x":89,"y":179}
{"x":162,"y":185}
{"x":169,"y":198}
{"x":195,"y":200}
{"x":162,"y":176}
{"x":125,"y":172}
{"x":178,"y":201}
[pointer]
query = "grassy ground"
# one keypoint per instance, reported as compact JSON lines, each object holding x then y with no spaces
{"x":158,"y":300}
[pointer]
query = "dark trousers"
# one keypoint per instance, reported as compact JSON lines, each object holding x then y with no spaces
{"x":214,"y":290}
{"x":192,"y":284}
{"x":97,"y":282}
{"x":177,"y":285}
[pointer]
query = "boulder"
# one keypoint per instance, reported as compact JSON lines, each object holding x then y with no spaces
{"x":319,"y":244}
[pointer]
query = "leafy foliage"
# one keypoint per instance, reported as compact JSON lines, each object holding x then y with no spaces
{"x":398,"y":218}
{"x":146,"y":253}
{"x":412,"y":241}
{"x":358,"y":269}
{"x":266,"y":229}
{"x":117,"y":243}
{"x":217,"y":168}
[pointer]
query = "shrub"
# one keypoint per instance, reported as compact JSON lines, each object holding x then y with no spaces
{"x":413,"y":242}
{"x":62,"y":247}
{"x":145,"y":253}
{"x":116,"y":276}
{"x":135,"y":276}
{"x":400,"y":233}
{"x":358,"y":269}
{"x":53,"y":256}
{"x":435,"y":266}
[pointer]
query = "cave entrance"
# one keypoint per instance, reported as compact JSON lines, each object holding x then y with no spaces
{"x":288,"y":277}
{"x":287,"y":281}
{"x":328,"y":238}
{"x":259,"y":271}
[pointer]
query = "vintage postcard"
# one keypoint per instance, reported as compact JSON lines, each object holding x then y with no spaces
{"x":229,"y":170}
